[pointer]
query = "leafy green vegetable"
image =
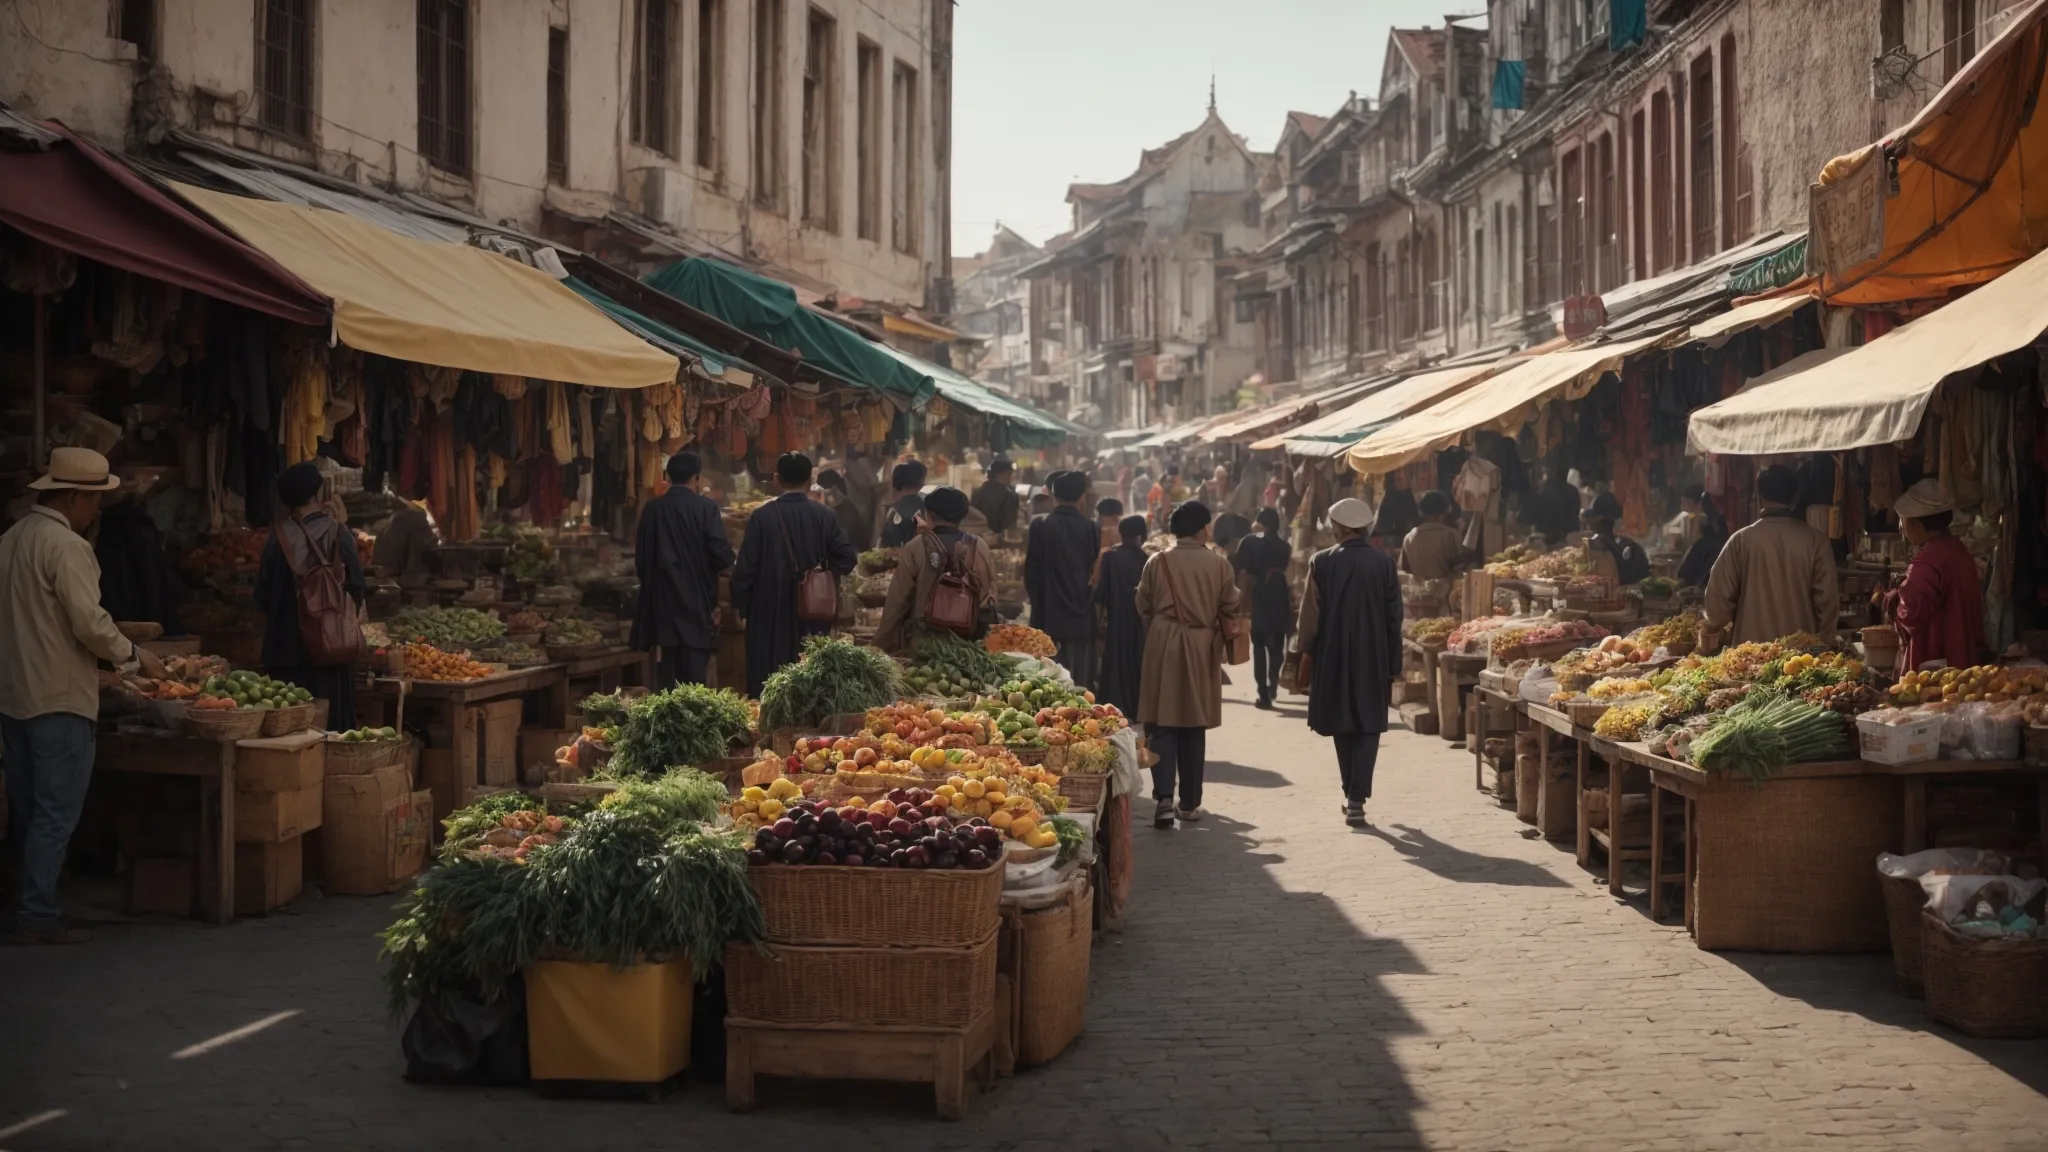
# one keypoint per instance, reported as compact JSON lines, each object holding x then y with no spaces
{"x":604,"y":709}
{"x":1072,"y":837}
{"x":944,"y":664}
{"x":467,"y":826}
{"x":1761,"y":735}
{"x":449,"y":629}
{"x":833,"y":678}
{"x":688,"y":724}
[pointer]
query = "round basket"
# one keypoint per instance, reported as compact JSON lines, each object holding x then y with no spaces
{"x":1084,"y":793}
{"x":563,"y":653}
{"x":223,"y":726}
{"x":1903,"y":900}
{"x":285,"y":721}
{"x":362,"y":757}
{"x":1987,"y":988}
{"x":1027,"y":755}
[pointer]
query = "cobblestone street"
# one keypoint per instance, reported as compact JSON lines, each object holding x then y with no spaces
{"x":1434,"y":981}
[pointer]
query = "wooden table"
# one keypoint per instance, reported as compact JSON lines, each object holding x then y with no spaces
{"x":213,"y":765}
{"x":442,"y":701}
{"x":1492,"y":701}
{"x":1550,"y":814}
{"x":608,"y":669}
{"x":1455,"y":672}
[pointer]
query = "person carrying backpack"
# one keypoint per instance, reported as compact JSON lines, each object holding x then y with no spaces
{"x":938,"y":572}
{"x":310,"y":585}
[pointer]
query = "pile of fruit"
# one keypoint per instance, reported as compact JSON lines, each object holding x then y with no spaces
{"x":214,"y":704}
{"x":1617,"y":687}
{"x":942,"y":664}
{"x":886,"y":835}
{"x":526,"y":620}
{"x":1511,"y":643}
{"x":532,"y":559}
{"x":165,"y":689}
{"x":1028,"y":693}
{"x":449,"y":629}
{"x":1847,"y":698}
{"x":1072,"y":723}
{"x":1020,"y":638}
{"x":1507,"y":562}
{"x":1559,"y":565}
{"x":252,"y":690}
{"x":1624,"y":722}
{"x":367,"y":735}
{"x":1593,"y":663}
{"x":426,"y":662}
{"x":1680,"y":631}
{"x":1432,"y":628}
{"x":569,"y":630}
{"x":1985,"y":682}
{"x":1476,"y":629}
{"x":233,"y":550}
{"x":931,"y":726}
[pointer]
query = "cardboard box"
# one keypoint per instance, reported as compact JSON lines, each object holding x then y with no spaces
{"x":497,"y":729}
{"x":373,"y":837}
{"x":437,"y":774}
{"x":268,"y":876}
{"x":273,"y":817}
{"x":281,"y":763}
{"x":163,"y":884}
{"x":537,"y":747}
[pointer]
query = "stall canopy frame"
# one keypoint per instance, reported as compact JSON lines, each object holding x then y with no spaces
{"x":1331,"y":435}
{"x":1027,"y":427}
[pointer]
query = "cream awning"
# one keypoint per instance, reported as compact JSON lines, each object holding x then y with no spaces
{"x":1500,"y":402}
{"x":436,"y":303}
{"x":1876,"y":394}
{"x":1718,"y":330}
{"x":1390,"y":403}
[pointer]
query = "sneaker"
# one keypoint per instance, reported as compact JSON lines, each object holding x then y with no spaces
{"x":1162,"y":817}
{"x":55,"y":934}
{"x":1190,"y":815}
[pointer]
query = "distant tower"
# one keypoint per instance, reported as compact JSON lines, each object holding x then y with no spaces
{"x":1212,"y":93}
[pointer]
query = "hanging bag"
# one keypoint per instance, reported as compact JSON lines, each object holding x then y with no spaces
{"x":817,"y":590}
{"x":953,"y":603}
{"x":1234,"y":641}
{"x":327,"y":616}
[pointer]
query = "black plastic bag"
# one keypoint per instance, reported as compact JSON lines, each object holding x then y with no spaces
{"x":461,"y":1039}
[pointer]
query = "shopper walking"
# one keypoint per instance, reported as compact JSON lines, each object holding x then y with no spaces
{"x":899,"y":523}
{"x":1059,"y":559}
{"x":1185,"y":596}
{"x":1123,"y":630}
{"x":786,"y":538}
{"x":942,"y":547}
{"x":1350,"y":637}
{"x":678,"y":552}
{"x":997,"y":497}
{"x":1262,"y":561}
{"x":306,"y":539}
{"x":51,"y":629}
{"x":1774,"y":577}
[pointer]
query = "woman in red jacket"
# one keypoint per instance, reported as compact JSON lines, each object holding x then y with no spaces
{"x":1940,"y":604}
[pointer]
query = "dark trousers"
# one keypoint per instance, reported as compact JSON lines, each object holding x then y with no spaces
{"x":1182,"y":754}
{"x":1357,"y":754}
{"x":1078,"y":657}
{"x":1269,"y":652}
{"x":680,"y":665}
{"x":48,"y":761}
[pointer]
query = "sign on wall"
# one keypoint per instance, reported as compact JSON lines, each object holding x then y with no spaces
{"x":1848,"y":218}
{"x":1583,"y":316}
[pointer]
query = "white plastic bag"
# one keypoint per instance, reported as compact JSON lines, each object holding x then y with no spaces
{"x":1956,"y":898}
{"x":1947,"y":861}
{"x":1997,"y":731}
{"x":1538,"y":685}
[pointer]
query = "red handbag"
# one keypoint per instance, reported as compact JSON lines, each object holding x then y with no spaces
{"x":817,"y":589}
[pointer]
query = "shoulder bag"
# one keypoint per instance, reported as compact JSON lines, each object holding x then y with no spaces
{"x":817,"y":590}
{"x":1236,"y":642}
{"x":953,"y":603}
{"x":327,"y":618}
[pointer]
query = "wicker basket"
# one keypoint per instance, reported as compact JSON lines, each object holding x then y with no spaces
{"x":877,"y":907}
{"x":1903,"y":901}
{"x":223,"y":726}
{"x":1084,"y":793}
{"x":1825,"y":831}
{"x":1586,"y":713}
{"x":1027,"y":755}
{"x":1989,"y":988}
{"x":925,"y":987}
{"x":285,"y":721}
{"x":362,"y":757}
{"x":1052,"y":973}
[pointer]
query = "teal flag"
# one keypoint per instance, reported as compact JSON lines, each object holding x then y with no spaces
{"x":1509,"y":77}
{"x":1628,"y":22}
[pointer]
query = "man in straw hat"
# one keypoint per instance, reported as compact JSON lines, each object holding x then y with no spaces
{"x":1349,"y":632}
{"x":51,"y":629}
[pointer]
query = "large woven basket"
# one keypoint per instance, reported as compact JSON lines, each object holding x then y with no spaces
{"x":925,"y":987}
{"x":877,"y":907}
{"x":1084,"y":793}
{"x":285,"y":721}
{"x":1825,"y":831}
{"x":1989,"y":988}
{"x":223,"y":726}
{"x":1052,"y":972}
{"x":362,"y":757}
{"x":1903,"y":901}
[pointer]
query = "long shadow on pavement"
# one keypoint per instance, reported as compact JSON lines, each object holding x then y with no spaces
{"x":1452,"y":863}
{"x":1243,"y":775}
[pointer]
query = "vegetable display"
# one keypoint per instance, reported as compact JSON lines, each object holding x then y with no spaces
{"x":532,"y":559}
{"x":252,"y":690}
{"x":1755,"y":740}
{"x":1071,"y":838}
{"x":833,"y":677}
{"x":1432,"y":628}
{"x":449,"y":629}
{"x":526,"y":620}
{"x":1624,"y":722}
{"x":876,"y":560}
{"x":568,"y":630}
{"x":942,"y":664}
{"x":687,"y":724}
{"x":1657,"y":587}
{"x":425,"y":662}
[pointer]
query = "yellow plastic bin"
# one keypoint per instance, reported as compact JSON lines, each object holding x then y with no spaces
{"x":593,"y":1022}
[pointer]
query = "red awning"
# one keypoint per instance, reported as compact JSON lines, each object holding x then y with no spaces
{"x":75,"y":197}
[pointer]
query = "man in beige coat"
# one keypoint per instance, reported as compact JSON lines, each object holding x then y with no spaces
{"x":1775,"y":577}
{"x":920,"y":563}
{"x":1183,"y":595}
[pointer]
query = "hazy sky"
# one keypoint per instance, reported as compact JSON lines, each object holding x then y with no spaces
{"x":1047,"y":92}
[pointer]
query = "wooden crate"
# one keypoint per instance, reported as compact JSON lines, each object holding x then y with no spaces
{"x":537,"y":747}
{"x":280,"y":763}
{"x":496,"y":725}
{"x":268,"y":876}
{"x":373,"y":836}
{"x":941,"y":1057}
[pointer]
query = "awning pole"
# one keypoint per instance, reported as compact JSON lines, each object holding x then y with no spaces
{"x":41,"y":447}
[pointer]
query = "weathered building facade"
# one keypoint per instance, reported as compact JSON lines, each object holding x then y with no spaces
{"x":993,"y":303}
{"x":807,"y":136}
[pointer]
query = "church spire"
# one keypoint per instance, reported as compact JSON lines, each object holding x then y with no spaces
{"x":1212,"y":93}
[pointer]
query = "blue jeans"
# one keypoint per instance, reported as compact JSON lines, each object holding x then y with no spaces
{"x":49,"y":766}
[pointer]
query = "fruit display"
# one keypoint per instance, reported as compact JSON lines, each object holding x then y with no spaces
{"x":1847,"y":698}
{"x":1072,"y":723}
{"x":165,"y":689}
{"x":1554,"y":566}
{"x":426,"y":662}
{"x":832,"y":678}
{"x":229,"y":551}
{"x":1618,"y":687}
{"x":1475,"y":630}
{"x":942,"y":664}
{"x":930,"y":726}
{"x":1983,"y":682}
{"x":568,"y":630}
{"x":1512,"y":642}
{"x":1029,"y":693}
{"x":1091,"y":758}
{"x":367,"y":735}
{"x":1507,"y":562}
{"x":449,"y":629}
{"x":1680,"y":631}
{"x":885,"y":835}
{"x":1431,"y":628}
{"x":532,"y":558}
{"x":210,"y":703}
{"x":524,"y":621}
{"x":254,"y":690}
{"x":1020,"y":638}
{"x":1624,"y":722}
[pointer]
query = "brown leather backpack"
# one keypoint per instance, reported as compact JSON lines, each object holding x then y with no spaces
{"x":953,"y":603}
{"x":327,"y":616}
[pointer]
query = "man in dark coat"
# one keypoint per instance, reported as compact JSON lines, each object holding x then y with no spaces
{"x":1557,"y":506}
{"x":679,"y":551}
{"x":996,"y":499}
{"x":1059,"y":558}
{"x":899,"y":524}
{"x":1350,"y":638}
{"x":1262,"y":561}
{"x":1123,"y":635}
{"x":785,"y":538}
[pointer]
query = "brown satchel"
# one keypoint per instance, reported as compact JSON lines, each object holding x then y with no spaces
{"x":1236,"y":641}
{"x":953,"y":603}
{"x":817,"y":590}
{"x":327,"y":617}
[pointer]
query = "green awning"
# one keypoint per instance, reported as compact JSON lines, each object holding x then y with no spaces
{"x":768,"y":310}
{"x":1022,"y":425}
{"x":711,"y":360}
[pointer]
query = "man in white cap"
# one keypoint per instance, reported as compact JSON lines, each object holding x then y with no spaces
{"x":1349,"y":633}
{"x":51,"y":629}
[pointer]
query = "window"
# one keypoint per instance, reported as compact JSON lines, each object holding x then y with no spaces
{"x":558,"y":105}
{"x":710,"y":77}
{"x":768,"y":103}
{"x":904,"y":202}
{"x":1638,"y":158}
{"x":444,"y":83}
{"x":1660,"y":182}
{"x":1958,"y":34}
{"x":1738,"y":195}
{"x":1705,"y":219}
{"x":654,"y":69}
{"x":284,"y":67}
{"x":1891,"y":24}
{"x":1607,"y":253}
{"x":821,"y":122}
{"x":867,"y":143}
{"x":135,"y":22}
{"x":1494,"y":286}
{"x":1572,"y":203}
{"x":1432,"y":280}
{"x":1514,"y":288}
